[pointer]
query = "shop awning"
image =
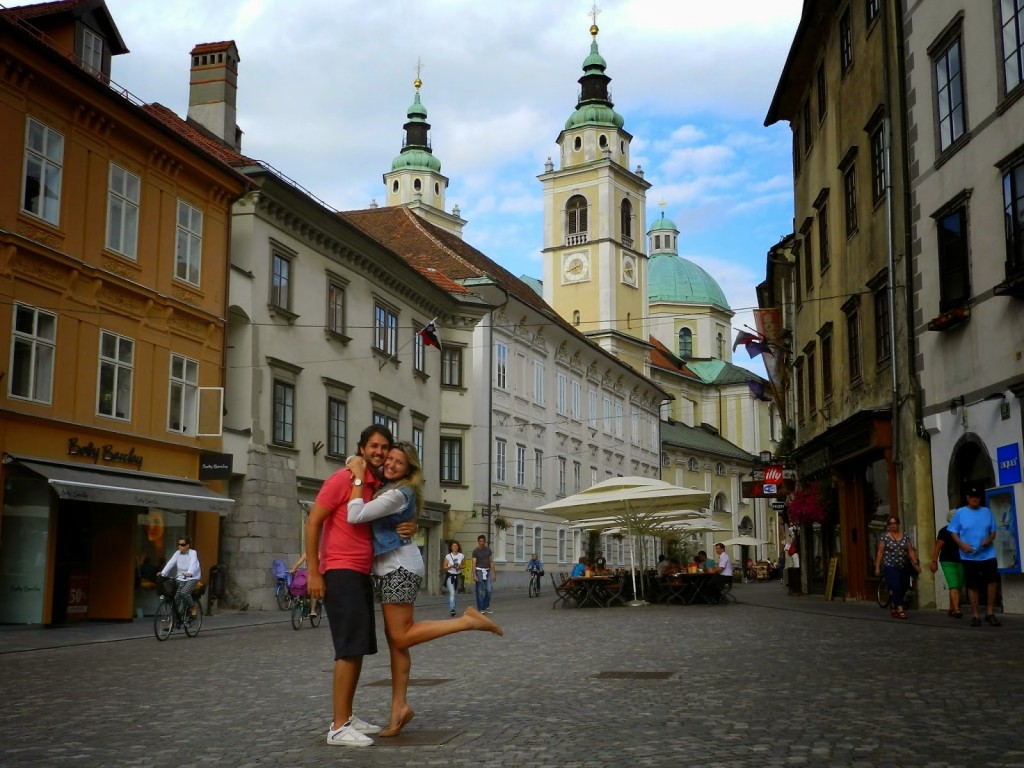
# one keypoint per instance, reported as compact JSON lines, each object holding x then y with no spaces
{"x":136,"y":490}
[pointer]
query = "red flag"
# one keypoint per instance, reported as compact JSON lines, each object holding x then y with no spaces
{"x":429,"y":336}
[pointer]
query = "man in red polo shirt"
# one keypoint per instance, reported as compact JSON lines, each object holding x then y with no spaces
{"x":339,"y":563}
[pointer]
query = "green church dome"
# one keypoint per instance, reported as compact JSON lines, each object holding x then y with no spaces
{"x":674,"y":279}
{"x":594,"y":114}
{"x":416,"y":159}
{"x":661,"y":224}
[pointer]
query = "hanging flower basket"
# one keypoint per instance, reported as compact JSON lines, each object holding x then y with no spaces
{"x":500,"y":523}
{"x":808,"y":504}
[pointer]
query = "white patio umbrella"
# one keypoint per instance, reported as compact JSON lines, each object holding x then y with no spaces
{"x":743,"y":541}
{"x":631,"y":503}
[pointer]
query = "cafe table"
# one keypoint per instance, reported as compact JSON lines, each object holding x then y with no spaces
{"x":686,"y":588}
{"x":593,"y":590}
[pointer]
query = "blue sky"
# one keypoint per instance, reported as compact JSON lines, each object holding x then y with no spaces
{"x":324,"y":86}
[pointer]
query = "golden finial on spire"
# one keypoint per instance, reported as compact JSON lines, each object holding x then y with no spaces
{"x":419,"y":69}
{"x":594,"y":11}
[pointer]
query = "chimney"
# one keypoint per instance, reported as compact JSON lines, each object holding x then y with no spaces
{"x":213,"y":88}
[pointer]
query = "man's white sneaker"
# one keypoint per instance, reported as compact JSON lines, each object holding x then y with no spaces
{"x":362,"y":726}
{"x":348,"y":736}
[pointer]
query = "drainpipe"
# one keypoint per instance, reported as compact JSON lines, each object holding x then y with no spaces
{"x":891,"y":255}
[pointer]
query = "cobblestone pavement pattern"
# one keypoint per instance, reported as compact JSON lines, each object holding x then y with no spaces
{"x":770,"y":681}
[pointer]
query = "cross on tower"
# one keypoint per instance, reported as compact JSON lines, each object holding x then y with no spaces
{"x":594,"y":11}
{"x":419,"y":69}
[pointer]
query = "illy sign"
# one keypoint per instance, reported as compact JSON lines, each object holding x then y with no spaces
{"x":773,"y":474}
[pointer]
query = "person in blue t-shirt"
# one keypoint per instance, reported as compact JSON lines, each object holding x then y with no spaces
{"x":580,"y":568}
{"x":973,"y":528}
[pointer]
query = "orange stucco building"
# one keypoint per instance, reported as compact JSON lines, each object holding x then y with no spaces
{"x":114,"y":231}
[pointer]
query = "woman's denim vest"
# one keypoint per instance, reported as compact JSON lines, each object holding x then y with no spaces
{"x":385,"y":537}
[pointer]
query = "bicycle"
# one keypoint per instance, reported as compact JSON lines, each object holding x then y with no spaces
{"x":885,"y":598}
{"x":285,"y":599}
{"x":301,"y":612}
{"x":170,"y":616}
{"x":535,"y":583}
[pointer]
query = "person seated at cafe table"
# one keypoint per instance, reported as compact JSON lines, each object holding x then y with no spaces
{"x":600,"y":564}
{"x":673,"y":568}
{"x":662,"y":565}
{"x":724,"y":567}
{"x":579,"y":569}
{"x":701,"y":559}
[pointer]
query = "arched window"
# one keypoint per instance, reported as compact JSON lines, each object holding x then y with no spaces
{"x":693,"y":465}
{"x":720,"y":469}
{"x":685,"y":343}
{"x":721,"y":347}
{"x":626,"y":210}
{"x":720,"y":503}
{"x":576,"y":215}
{"x":575,"y":317}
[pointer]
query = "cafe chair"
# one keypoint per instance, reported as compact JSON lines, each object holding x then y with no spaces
{"x":725,"y":595}
{"x":615,"y":592}
{"x":564,"y":593}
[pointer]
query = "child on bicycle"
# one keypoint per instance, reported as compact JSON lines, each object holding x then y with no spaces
{"x":186,"y":563}
{"x":536,"y":569}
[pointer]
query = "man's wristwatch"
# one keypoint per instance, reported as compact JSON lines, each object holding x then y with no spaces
{"x":357,"y":482}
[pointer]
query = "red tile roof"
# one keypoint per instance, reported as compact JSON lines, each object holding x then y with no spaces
{"x":42,"y":9}
{"x":662,"y":357}
{"x":209,"y":145}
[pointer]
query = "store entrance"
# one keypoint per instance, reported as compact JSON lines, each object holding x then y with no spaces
{"x":72,"y":563}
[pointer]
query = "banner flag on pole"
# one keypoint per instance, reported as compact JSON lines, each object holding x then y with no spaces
{"x":429,"y":335}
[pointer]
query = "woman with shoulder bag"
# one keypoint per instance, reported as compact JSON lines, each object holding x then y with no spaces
{"x":899,"y":557}
{"x":452,"y":570}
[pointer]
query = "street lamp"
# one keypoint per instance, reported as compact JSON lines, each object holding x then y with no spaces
{"x":495,"y":506}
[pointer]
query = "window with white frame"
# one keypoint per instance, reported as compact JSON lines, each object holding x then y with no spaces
{"x":281,"y":281}
{"x":385,"y":329}
{"x":500,"y":457}
{"x":519,"y":553}
{"x":576,"y":390}
{"x":561,"y":545}
{"x":44,"y":169}
{"x":336,"y":307}
{"x":123,"y":189}
{"x":577,"y":545}
{"x":618,"y":420}
{"x":418,"y":441}
{"x":561,"y":393}
{"x":845,"y":42}
{"x":337,"y":426}
{"x":538,"y":541}
{"x":451,"y":460}
{"x":693,"y":465}
{"x":538,"y":469}
{"x":520,"y":465}
{"x":184,"y":394}
{"x":561,"y":475}
{"x":419,"y":350}
{"x":592,"y":407}
{"x":593,"y":476}
{"x":188,"y":253}
{"x":116,"y":376}
{"x":284,"y":412}
{"x":388,"y":420}
{"x":538,"y":382}
{"x":1012,"y":12}
{"x":949,"y":95}
{"x":878,"y":171}
{"x":33,"y":348}
{"x":451,"y":366}
{"x":608,"y":415}
{"x":720,"y":469}
{"x":634,"y":427}
{"x":501,"y":366}
{"x":91,"y":52}
{"x":577,"y":477}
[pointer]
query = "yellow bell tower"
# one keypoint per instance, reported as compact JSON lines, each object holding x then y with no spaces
{"x":595,"y":265}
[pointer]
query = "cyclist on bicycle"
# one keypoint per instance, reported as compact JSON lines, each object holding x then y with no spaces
{"x":536,"y":569}
{"x":186,"y":563}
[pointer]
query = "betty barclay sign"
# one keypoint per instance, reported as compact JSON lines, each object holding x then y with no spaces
{"x":105,"y":453}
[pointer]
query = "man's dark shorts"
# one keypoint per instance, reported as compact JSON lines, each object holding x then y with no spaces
{"x":349,"y":604}
{"x":978,"y":574}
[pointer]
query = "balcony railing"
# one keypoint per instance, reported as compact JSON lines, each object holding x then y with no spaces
{"x":577,"y":239}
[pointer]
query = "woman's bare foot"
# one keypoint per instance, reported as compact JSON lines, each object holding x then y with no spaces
{"x":403,"y":720}
{"x":479,"y":621}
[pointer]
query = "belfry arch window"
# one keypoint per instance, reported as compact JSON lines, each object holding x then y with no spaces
{"x":576,"y":215}
{"x":685,"y":343}
{"x":720,"y":341}
{"x":626,"y":220}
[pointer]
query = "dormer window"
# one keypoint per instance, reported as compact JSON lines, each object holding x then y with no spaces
{"x":91,"y":52}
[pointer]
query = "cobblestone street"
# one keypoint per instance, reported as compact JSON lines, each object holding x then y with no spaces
{"x":771,"y":680}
